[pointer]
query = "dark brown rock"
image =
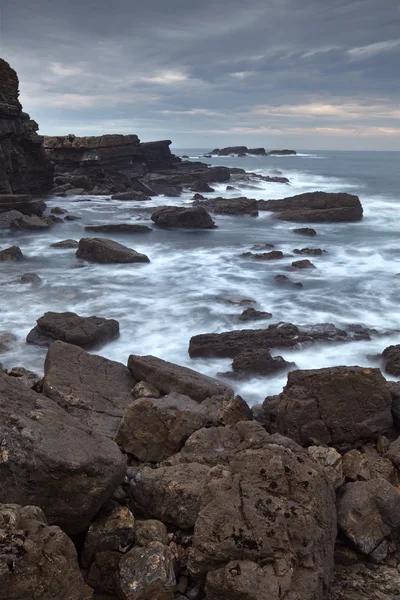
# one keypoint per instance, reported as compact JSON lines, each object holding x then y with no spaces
{"x":230,"y":206}
{"x":367,"y":465}
{"x":31,"y":278}
{"x":150,"y":530}
{"x":101,"y":574}
{"x":86,"y":332}
{"x":259,"y":362}
{"x":65,"y":244}
{"x":145,"y":390}
{"x":309,"y":251}
{"x":131,"y":195}
{"x":306,"y":231}
{"x":37,"y":561}
{"x":6,"y":218}
{"x":251,"y":314}
{"x":7,"y":341}
{"x":104,"y":251}
{"x":28,"y":378}
{"x":273,"y":255}
{"x":163,"y":189}
{"x":93,"y":389}
{"x":119,"y":228}
{"x":201,"y":187}
{"x":317,"y":207}
{"x":391,"y":355}
{"x":334,"y":405}
{"x":21,"y":203}
{"x":283,"y":280}
{"x":176,"y":216}
{"x":12,"y":253}
{"x":359,"y":581}
{"x":169,"y":377}
{"x":303,"y":264}
{"x":33,"y":222}
{"x":51,"y":460}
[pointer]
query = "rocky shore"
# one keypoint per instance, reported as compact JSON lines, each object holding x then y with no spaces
{"x":148,"y":480}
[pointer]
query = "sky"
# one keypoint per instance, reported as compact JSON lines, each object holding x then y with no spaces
{"x":301,"y":74}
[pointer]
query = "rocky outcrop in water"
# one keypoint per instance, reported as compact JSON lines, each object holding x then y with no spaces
{"x":24,"y":167}
{"x":229,"y":206}
{"x":243,"y":151}
{"x":316,"y":207}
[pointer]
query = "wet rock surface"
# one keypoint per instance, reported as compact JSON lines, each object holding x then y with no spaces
{"x":12,"y":253}
{"x":104,"y":251}
{"x":316,"y":207}
{"x":230,"y":206}
{"x":175,"y":216}
{"x":119,"y":228}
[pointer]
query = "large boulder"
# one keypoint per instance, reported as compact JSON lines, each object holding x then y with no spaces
{"x":258,"y":362}
{"x":391,"y":356}
{"x":104,"y":251}
{"x":11,"y":253}
{"x":334,"y":405}
{"x":37,"y":561}
{"x":316,"y":207}
{"x":24,"y":167}
{"x":169,"y":377}
{"x":229,"y":206}
{"x":86,"y":332}
{"x":93,"y":389}
{"x":22,"y":203}
{"x":53,"y":461}
{"x":31,"y":222}
{"x":177,"y":216}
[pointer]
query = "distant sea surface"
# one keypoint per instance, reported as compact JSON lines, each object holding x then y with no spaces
{"x":194,"y":276}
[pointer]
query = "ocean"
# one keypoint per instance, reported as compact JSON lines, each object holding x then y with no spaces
{"x":196,"y":278}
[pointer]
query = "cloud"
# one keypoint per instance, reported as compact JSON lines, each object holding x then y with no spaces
{"x":167,"y":78}
{"x":364,"y":52}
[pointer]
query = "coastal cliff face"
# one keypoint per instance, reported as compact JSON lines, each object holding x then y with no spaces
{"x":24,"y":166}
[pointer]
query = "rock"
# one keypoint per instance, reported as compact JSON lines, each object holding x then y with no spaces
{"x":176,"y":216}
{"x":51,"y":460}
{"x":163,"y":189}
{"x":152,"y":429}
{"x":334,"y":405}
{"x":198,"y":197}
{"x":131,"y":195}
{"x":283,"y":152}
{"x":259,"y":362}
{"x":145,"y":390}
{"x":310,"y":251}
{"x":23,"y":204}
{"x":170,"y":494}
{"x":227,"y":409}
{"x":72,"y":217}
{"x":169,"y":377}
{"x":147,"y":574}
{"x":393,"y":453}
{"x":31,"y":278}
{"x":285,"y":281}
{"x":317,"y":207}
{"x":37,"y":561}
{"x":119,"y":228}
{"x":368,"y":513}
{"x":7,"y":341}
{"x":104,"y":251}
{"x":274,"y":255}
{"x":24,"y":166}
{"x":367,"y":466}
{"x":267,"y":503}
{"x":230,"y":206}
{"x":12,"y":253}
{"x":114,"y":532}
{"x":101,"y":574}
{"x":201,"y":187}
{"x":93,"y":389}
{"x":28,"y":378}
{"x":359,"y":582}
{"x":257,"y":151}
{"x":392,"y":357}
{"x":262,"y":247}
{"x":33,"y":222}
{"x":331,"y":462}
{"x":282,"y":335}
{"x":306,"y":231}
{"x":230,"y":188}
{"x":58,"y":211}
{"x":150,"y":530}
{"x":6,"y":218}
{"x":394,"y":391}
{"x":251,"y":314}
{"x":65,"y":244}
{"x":231,"y":150}
{"x":86,"y":332}
{"x":242,"y":579}
{"x":303,"y":264}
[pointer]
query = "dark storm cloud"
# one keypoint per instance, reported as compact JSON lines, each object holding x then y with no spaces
{"x":306,"y":72}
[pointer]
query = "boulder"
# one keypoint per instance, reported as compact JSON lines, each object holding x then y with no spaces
{"x":317,"y":207}
{"x":230,"y":206}
{"x":251,"y":314}
{"x":119,"y":228}
{"x":163,"y":189}
{"x":53,"y":461}
{"x":309,"y":251}
{"x":145,"y":390}
{"x":273,"y":255}
{"x":303,"y":264}
{"x":37,"y":561}
{"x":7,"y":341}
{"x":242,"y":579}
{"x":12,"y":253}
{"x":6,"y":218}
{"x":150,"y":530}
{"x":131,"y":195}
{"x":393,"y":453}
{"x":169,"y":377}
{"x":363,"y":581}
{"x":176,"y":216}
{"x":201,"y":187}
{"x":394,"y":391}
{"x":257,"y":151}
{"x":331,"y":462}
{"x":23,"y":204}
{"x":368,"y":513}
{"x":368,"y":465}
{"x":391,"y":356}
{"x":259,"y":362}
{"x":33,"y":222}
{"x":104,"y":251}
{"x":86,"y":332}
{"x":283,"y":280}
{"x":147,"y":574}
{"x":31,"y":278}
{"x":101,"y":574}
{"x":306,"y":231}
{"x":334,"y":405}
{"x":93,"y":389}
{"x":65,"y":244}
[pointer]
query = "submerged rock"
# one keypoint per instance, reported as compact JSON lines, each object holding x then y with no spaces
{"x":303,"y":264}
{"x":176,"y":216}
{"x":273,"y":255}
{"x":251,"y":314}
{"x":119,"y":228}
{"x":104,"y":251}
{"x":65,"y":244}
{"x":310,"y":251}
{"x":283,"y":280}
{"x":131,"y":195}
{"x":306,"y":231}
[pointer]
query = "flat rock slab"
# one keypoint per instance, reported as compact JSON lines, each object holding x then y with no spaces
{"x":94,"y":390}
{"x":86,"y":332}
{"x":22,"y":203}
{"x":119,"y":228}
{"x":104,"y":251}
{"x":177,"y":216}
{"x":229,"y":206}
{"x":169,"y":377}
{"x":51,"y":460}
{"x":31,"y":222}
{"x":317,"y":207}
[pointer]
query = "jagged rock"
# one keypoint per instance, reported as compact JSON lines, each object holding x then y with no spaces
{"x":303,"y":264}
{"x":331,"y":462}
{"x":150,"y":530}
{"x":93,"y":389}
{"x":6,"y":218}
{"x":201,"y":187}
{"x":283,"y":280}
{"x":251,"y":314}
{"x":367,"y":466}
{"x":333,"y":405}
{"x":176,"y":216}
{"x":86,"y":332}
{"x":273,"y":255}
{"x":24,"y":166}
{"x":37,"y":561}
{"x":28,"y":378}
{"x":65,"y":244}
{"x":391,"y":355}
{"x":145,"y":390}
{"x":72,"y":218}
{"x":317,"y":207}
{"x":393,"y":453}
{"x":119,"y":228}
{"x":242,"y":579}
{"x":51,"y":460}
{"x":147,"y":574}
{"x":101,"y":574}
{"x":198,"y":197}
{"x":306,"y":231}
{"x":169,"y":377}
{"x":12,"y":253}
{"x":106,"y":251}
{"x":229,"y":206}
{"x":394,"y":391}
{"x":32,"y":222}
{"x":360,"y":582}
{"x":131,"y":195}
{"x":368,"y":512}
{"x":259,"y":362}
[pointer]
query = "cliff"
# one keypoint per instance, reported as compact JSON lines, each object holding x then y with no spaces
{"x":24,"y":166}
